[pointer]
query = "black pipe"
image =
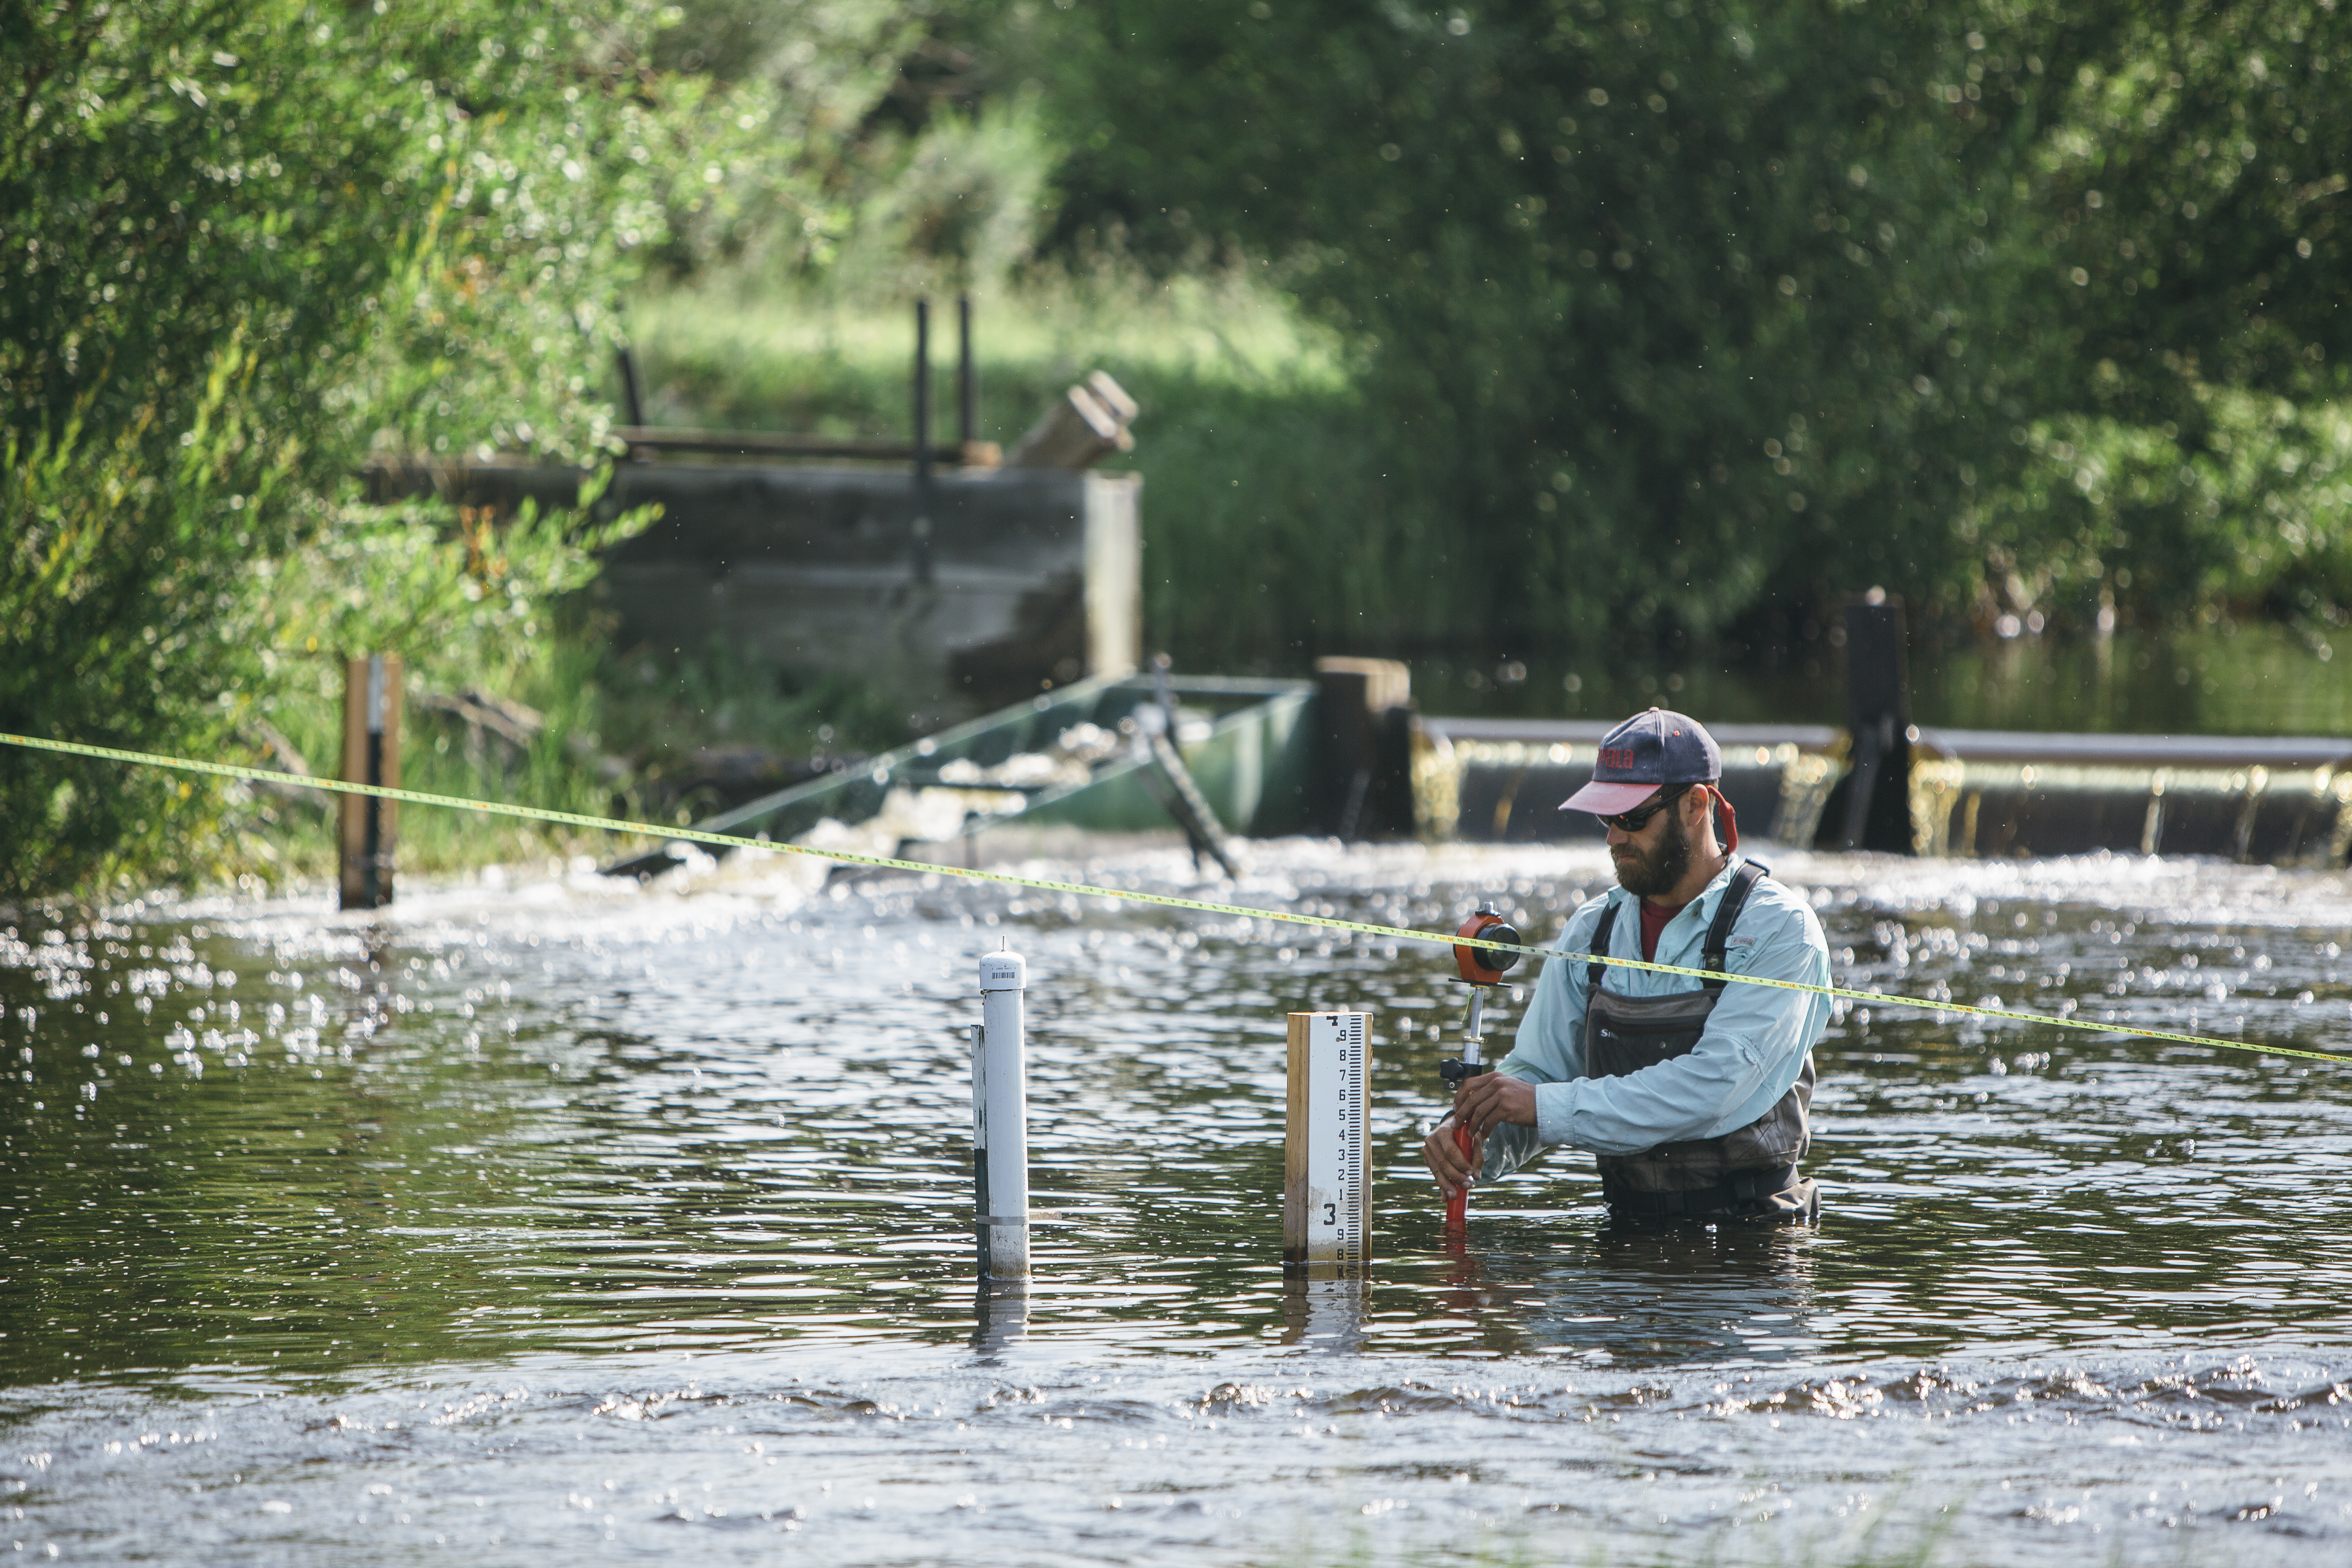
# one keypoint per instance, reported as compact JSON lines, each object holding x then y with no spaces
{"x":966,"y":392}
{"x":922,"y":393}
{"x":922,"y":441}
{"x":632,"y":403}
{"x":372,"y":839}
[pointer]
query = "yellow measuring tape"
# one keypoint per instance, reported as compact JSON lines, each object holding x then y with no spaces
{"x":1166,"y":900}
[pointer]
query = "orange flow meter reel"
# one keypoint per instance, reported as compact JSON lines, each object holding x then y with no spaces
{"x":1482,"y":966}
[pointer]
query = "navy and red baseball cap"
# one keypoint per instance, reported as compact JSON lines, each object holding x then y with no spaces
{"x":1646,"y":751}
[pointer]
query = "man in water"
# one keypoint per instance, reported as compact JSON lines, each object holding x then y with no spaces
{"x":1692,"y":1094}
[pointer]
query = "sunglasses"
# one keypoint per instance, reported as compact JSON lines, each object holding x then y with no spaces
{"x":1638,"y":818}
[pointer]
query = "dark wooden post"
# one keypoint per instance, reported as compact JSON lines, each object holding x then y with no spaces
{"x":1363,"y":748}
{"x":370,"y":826}
{"x":1877,"y":805}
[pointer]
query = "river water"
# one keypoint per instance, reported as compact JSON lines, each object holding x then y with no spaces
{"x":548,"y":1215}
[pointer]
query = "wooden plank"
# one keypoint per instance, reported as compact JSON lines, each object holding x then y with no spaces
{"x":351,"y":809}
{"x":1079,"y":429}
{"x":1294,"y":1143}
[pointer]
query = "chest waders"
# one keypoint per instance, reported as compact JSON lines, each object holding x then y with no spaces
{"x":1748,"y":1174}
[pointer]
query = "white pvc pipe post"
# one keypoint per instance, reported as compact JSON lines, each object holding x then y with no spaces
{"x":1000,"y":1119}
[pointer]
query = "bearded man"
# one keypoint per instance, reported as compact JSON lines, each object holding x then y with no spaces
{"x":1692,"y":1094}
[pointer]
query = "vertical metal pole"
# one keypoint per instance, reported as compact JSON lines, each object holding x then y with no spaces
{"x":967,"y":392}
{"x":922,"y":441}
{"x":1473,"y":1065}
{"x":1000,"y":1108}
{"x":922,"y":392}
{"x":632,"y":402}
{"x":372,"y":876}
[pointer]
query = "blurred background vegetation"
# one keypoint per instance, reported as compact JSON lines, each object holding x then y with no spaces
{"x":1595,"y":339}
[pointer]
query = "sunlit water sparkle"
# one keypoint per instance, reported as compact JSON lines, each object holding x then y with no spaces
{"x":566,"y":1216}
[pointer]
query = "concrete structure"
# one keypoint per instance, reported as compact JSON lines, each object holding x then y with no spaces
{"x":985,"y":587}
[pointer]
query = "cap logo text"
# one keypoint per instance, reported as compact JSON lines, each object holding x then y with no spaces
{"x":1616,"y":756}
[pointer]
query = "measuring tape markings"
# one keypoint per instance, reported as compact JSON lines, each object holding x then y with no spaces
{"x":1082,"y":889}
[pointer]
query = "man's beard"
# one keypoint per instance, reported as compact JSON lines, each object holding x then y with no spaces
{"x":1660,"y":870}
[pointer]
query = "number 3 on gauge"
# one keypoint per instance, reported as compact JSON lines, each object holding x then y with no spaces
{"x":1331,"y":1213}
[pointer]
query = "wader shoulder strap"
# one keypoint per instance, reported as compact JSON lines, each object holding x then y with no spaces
{"x":1594,"y":971}
{"x":1719,"y":935}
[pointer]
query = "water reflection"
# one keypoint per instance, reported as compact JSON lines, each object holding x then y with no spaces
{"x":1001,"y":1320}
{"x":602,"y":1119}
{"x":1617,"y":1295}
{"x":1324,"y":1314}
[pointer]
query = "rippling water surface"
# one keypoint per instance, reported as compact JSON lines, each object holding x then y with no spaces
{"x":563,"y":1217}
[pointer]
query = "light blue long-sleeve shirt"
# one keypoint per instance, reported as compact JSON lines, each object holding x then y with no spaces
{"x":1752,"y":1049}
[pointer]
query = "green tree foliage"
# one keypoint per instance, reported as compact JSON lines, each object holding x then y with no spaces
{"x":247,"y":246}
{"x":2179,"y":226}
{"x":801,"y":80}
{"x":1687,"y":319}
{"x":192,"y":199}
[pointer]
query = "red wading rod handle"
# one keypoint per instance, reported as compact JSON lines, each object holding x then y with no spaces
{"x":1457,"y":1207}
{"x":1478,"y":966}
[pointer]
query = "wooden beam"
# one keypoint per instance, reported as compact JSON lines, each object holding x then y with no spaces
{"x":1080,"y":428}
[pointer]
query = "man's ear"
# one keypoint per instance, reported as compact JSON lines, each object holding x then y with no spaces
{"x":1697,"y":805}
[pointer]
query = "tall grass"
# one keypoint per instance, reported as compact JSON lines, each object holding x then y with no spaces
{"x":622,"y":736}
{"x":290,"y":837}
{"x":1253,"y":442}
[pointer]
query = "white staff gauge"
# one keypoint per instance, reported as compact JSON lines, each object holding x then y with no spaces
{"x":1327,"y":1194}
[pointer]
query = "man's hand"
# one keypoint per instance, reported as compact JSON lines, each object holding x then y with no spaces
{"x":1482,"y":1104}
{"x":1452,"y":1169}
{"x":1486,"y":1102}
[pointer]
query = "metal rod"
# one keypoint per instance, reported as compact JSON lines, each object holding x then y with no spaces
{"x":632,"y":402}
{"x":1000,"y":1113}
{"x":922,"y":392}
{"x":922,"y":441}
{"x":1471,"y":1064}
{"x":372,"y":839}
{"x":967,"y":395}
{"x":767,"y":444}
